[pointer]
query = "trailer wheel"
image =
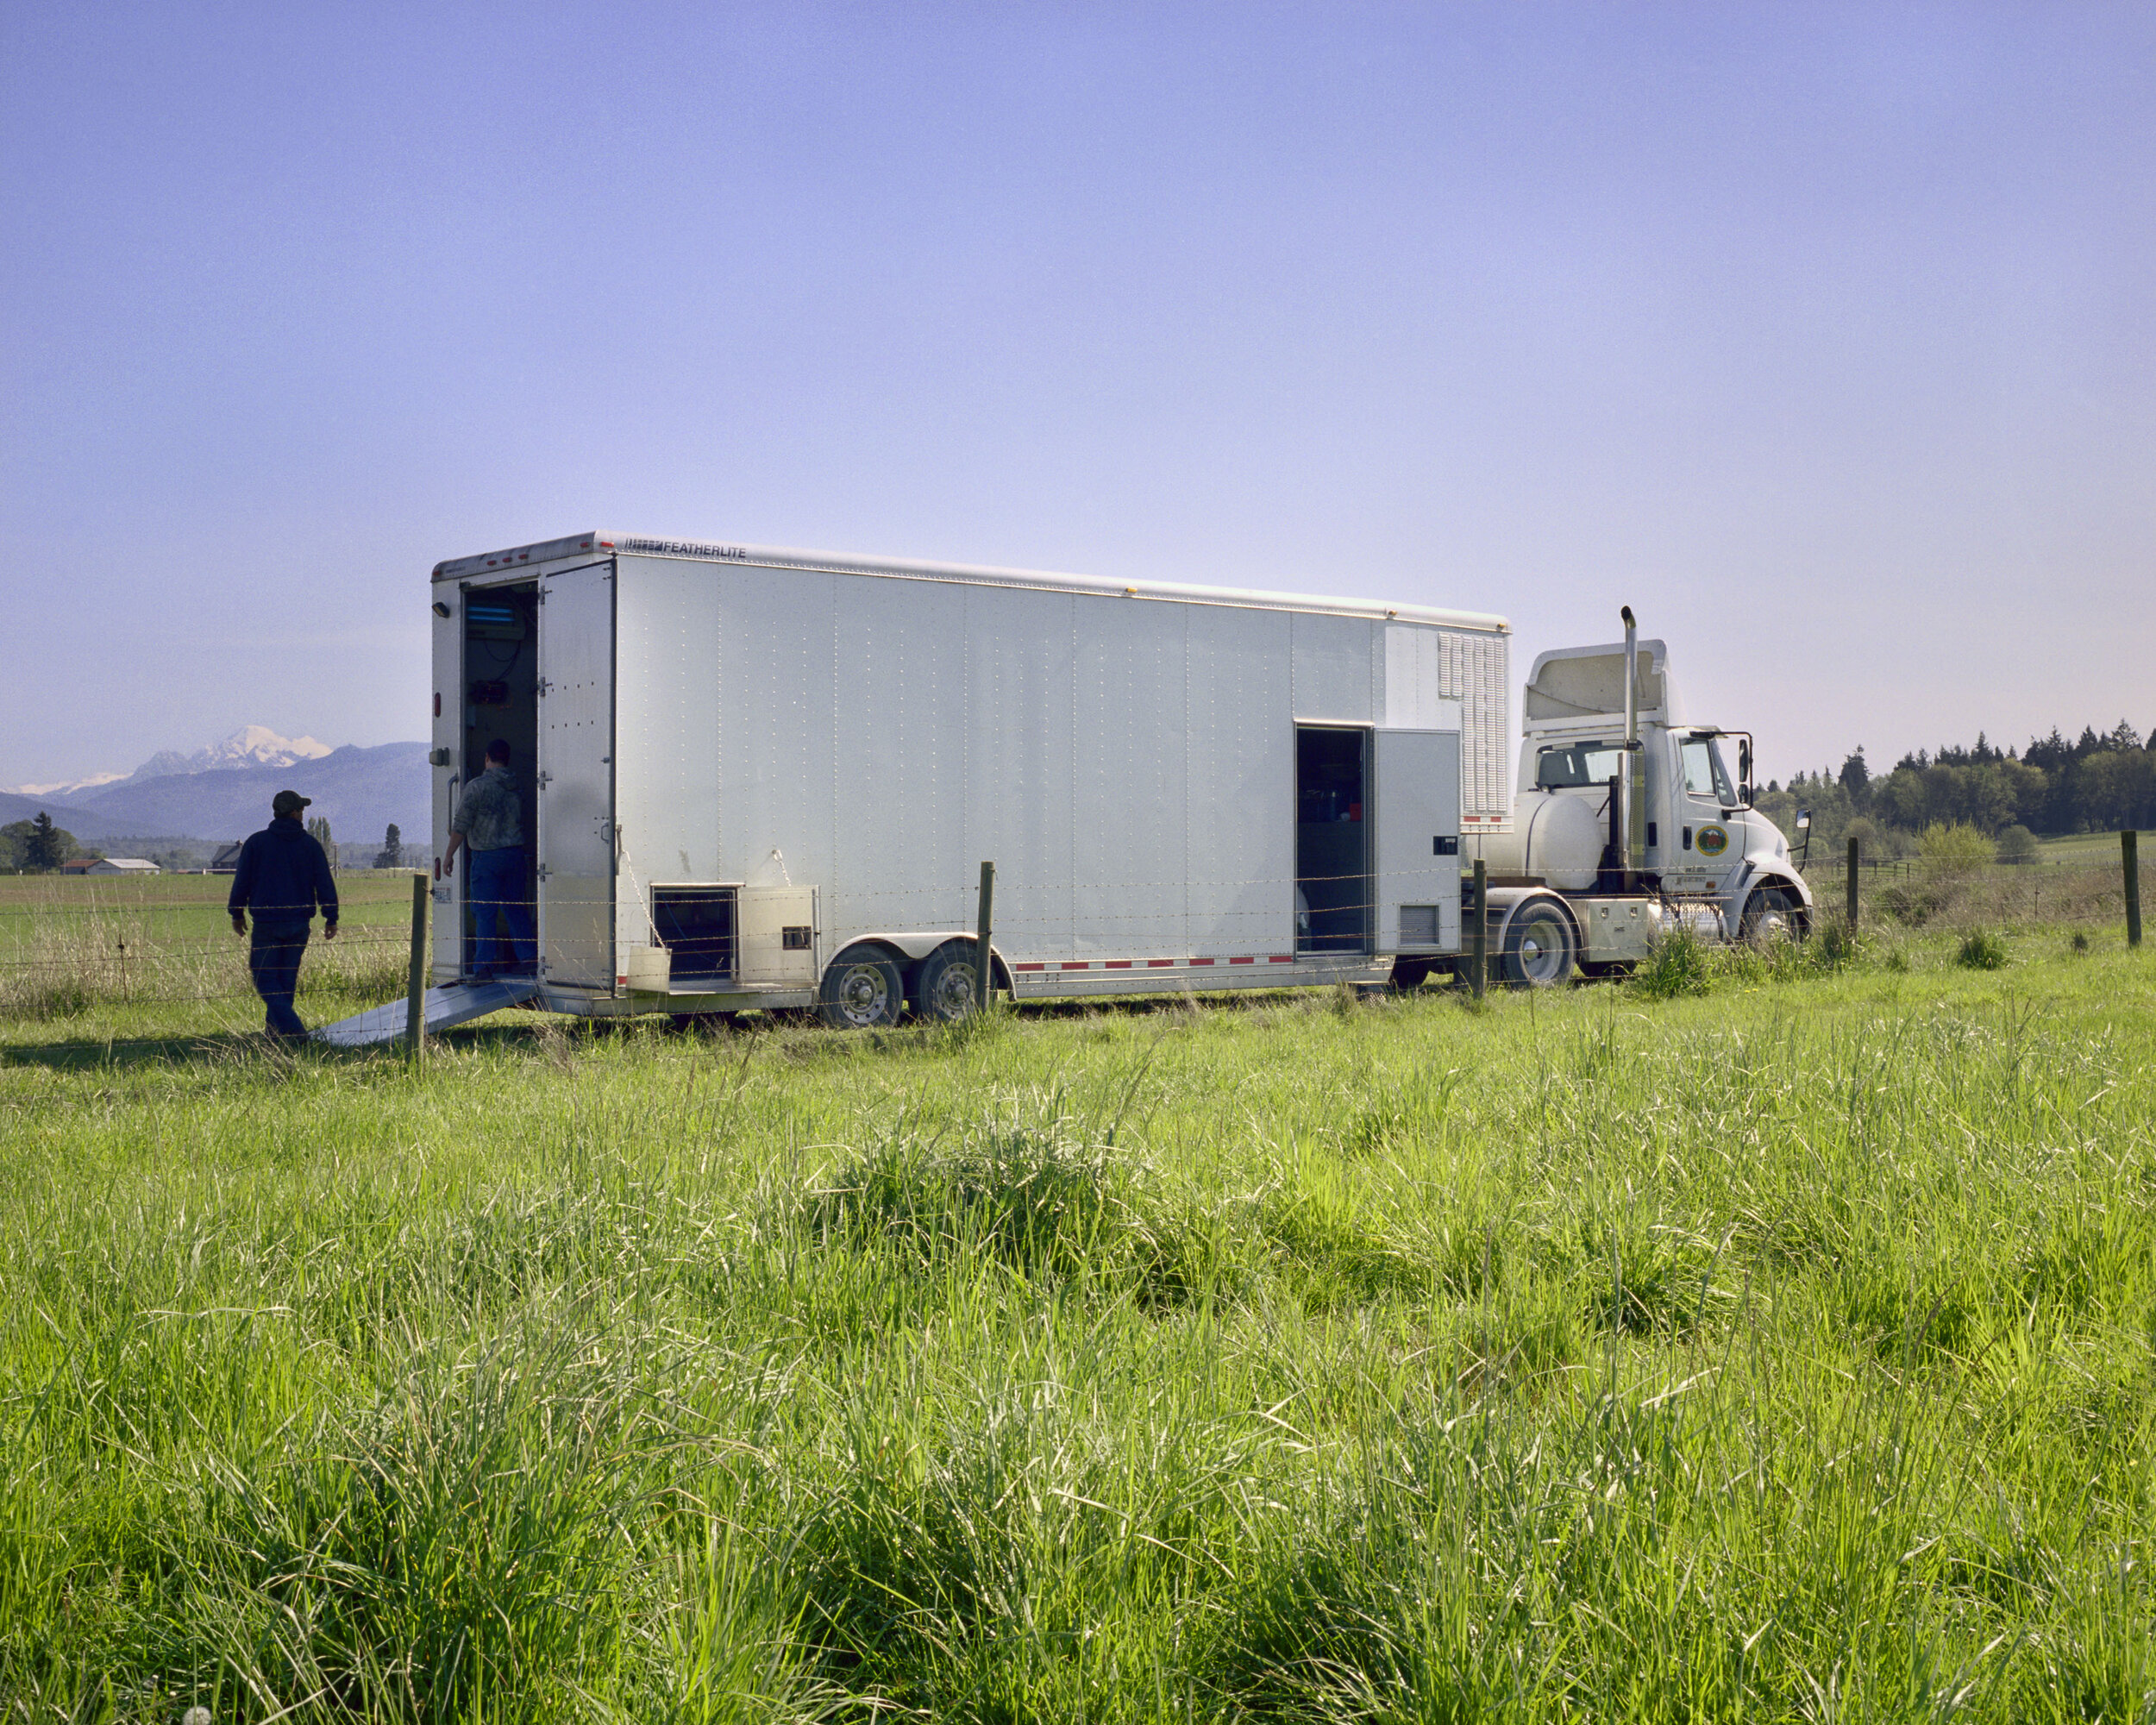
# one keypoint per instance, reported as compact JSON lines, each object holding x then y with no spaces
{"x":862,"y":990}
{"x":1411,"y":973}
{"x":945,"y":992}
{"x":1540,"y":948}
{"x":1769,"y":913}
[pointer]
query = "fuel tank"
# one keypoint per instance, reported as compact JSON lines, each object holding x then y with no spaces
{"x":1557,"y":835}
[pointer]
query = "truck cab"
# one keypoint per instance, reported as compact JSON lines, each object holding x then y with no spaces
{"x":1627,"y":818}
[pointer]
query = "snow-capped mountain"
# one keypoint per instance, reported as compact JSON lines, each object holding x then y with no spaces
{"x":251,"y":745}
{"x":223,"y":792}
{"x":62,"y":788}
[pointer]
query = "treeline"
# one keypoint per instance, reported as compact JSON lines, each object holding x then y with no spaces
{"x":36,"y":847}
{"x":2102,"y":782}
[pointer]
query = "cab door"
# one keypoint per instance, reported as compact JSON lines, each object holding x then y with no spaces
{"x":1705,"y":838}
{"x":576,"y":778}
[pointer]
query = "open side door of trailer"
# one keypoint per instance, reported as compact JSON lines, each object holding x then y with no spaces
{"x":1417,"y":862}
{"x":576,"y":778}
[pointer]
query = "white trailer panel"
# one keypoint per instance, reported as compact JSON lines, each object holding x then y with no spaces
{"x":576,"y":778}
{"x":839,"y":742}
{"x":1241,"y":883}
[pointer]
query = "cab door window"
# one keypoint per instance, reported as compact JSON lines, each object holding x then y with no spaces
{"x":1706,"y":778}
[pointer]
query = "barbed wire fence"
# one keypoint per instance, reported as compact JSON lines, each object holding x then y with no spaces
{"x":65,"y":952}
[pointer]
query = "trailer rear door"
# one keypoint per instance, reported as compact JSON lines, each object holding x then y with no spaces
{"x":576,"y":777}
{"x":1417,"y":862}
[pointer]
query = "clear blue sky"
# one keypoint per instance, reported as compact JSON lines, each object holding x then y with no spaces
{"x":1825,"y":336}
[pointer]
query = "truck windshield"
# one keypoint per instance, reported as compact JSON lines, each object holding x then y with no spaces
{"x":1583,"y":763}
{"x":1705,"y":777}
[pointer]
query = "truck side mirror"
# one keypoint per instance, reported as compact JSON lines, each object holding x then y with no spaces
{"x":1751,"y":793}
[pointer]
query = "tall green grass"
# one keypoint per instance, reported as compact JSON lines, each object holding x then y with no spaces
{"x":1782,"y":1353}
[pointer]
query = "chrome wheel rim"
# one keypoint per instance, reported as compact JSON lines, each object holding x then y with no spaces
{"x":864,"y":994}
{"x":1541,"y":951}
{"x":952,"y":995}
{"x":1770,"y":921}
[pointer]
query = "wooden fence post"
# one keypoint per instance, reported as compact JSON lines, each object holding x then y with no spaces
{"x":983,"y":964}
{"x":2129,"y":859}
{"x":416,"y":980}
{"x":1852,"y":885}
{"x":1478,"y":936}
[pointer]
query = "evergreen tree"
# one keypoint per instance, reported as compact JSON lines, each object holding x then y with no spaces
{"x":48,"y":845}
{"x":392,"y":855}
{"x":319,"y":826}
{"x":1855,"y":776}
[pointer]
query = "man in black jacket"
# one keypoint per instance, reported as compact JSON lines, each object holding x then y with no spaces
{"x":283,"y":875}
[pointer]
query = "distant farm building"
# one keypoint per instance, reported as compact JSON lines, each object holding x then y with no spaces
{"x":226,"y":860}
{"x":79,"y":865}
{"x":123,"y":865}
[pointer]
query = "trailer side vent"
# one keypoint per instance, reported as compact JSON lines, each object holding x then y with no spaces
{"x":1418,"y":925}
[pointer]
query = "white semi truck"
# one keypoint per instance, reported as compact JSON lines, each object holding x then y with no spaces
{"x":764,"y":778}
{"x":1627,"y":820}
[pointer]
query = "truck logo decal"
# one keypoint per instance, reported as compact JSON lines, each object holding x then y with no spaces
{"x":1713,"y":840}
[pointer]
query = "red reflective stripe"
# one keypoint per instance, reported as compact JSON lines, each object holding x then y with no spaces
{"x":1155,"y":963}
{"x":1281,"y":959}
{"x":1028,"y":967}
{"x":1076,"y":964}
{"x":1117,"y":964}
{"x":1242,"y":961}
{"x":1201,"y":961}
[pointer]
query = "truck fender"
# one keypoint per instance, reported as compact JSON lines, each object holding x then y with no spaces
{"x":1769,"y":880}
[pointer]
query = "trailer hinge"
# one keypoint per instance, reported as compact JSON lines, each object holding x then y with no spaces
{"x":543,"y":871}
{"x":540,"y":688}
{"x":545,"y":779}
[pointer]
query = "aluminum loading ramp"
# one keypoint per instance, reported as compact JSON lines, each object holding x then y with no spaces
{"x":456,"y":1003}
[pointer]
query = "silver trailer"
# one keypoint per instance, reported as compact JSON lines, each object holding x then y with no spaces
{"x":766,"y":778}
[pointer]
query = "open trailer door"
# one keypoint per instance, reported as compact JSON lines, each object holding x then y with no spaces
{"x":576,"y":778}
{"x":1417,"y":862}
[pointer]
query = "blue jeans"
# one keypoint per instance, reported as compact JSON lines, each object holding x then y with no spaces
{"x":496,"y":892}
{"x":273,"y":954}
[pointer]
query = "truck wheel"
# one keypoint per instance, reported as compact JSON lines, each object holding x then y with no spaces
{"x":1769,"y":913}
{"x":945,"y":992}
{"x":1540,"y":949}
{"x":861,"y":991}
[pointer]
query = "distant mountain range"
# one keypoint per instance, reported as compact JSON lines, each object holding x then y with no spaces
{"x":251,"y":745}
{"x":223,"y":792}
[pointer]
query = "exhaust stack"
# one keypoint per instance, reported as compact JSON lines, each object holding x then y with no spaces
{"x":1632,"y":814}
{"x":1631,"y":678}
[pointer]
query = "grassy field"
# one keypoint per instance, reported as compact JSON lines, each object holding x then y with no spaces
{"x":1781,"y":1354}
{"x":2099,"y":849}
{"x":158,"y":955}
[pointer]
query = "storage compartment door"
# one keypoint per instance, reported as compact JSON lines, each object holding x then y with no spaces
{"x":778,"y":945}
{"x":576,"y":778}
{"x":1417,"y":842}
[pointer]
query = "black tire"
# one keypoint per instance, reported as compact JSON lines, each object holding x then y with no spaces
{"x":945,"y":991}
{"x":1411,"y":973}
{"x":1770,"y":913}
{"x":863,"y":990}
{"x":1541,"y":951}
